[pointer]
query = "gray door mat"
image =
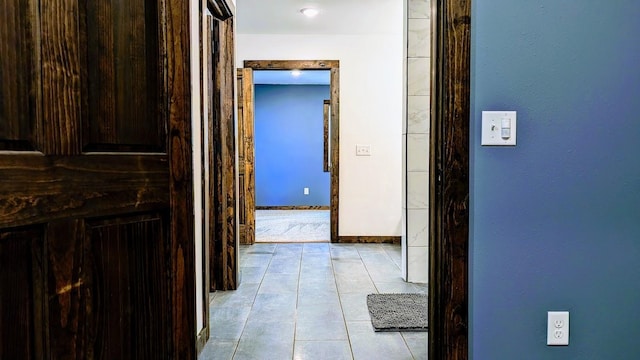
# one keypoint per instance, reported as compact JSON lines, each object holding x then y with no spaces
{"x":398,"y":312}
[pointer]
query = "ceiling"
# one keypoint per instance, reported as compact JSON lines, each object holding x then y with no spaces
{"x":284,"y":77}
{"x":348,"y":17}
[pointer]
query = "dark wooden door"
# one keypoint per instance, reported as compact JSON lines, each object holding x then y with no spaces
{"x":96,"y":227}
{"x":246,"y":158}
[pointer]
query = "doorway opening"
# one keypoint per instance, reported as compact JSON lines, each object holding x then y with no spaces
{"x":292,"y":178}
{"x":252,"y":75}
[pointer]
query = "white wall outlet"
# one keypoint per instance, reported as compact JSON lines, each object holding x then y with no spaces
{"x":499,"y":128}
{"x":306,"y":191}
{"x":363,"y":150}
{"x":557,"y":328}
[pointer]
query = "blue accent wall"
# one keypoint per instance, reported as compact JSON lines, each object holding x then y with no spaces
{"x":289,"y":140}
{"x":556,"y":219}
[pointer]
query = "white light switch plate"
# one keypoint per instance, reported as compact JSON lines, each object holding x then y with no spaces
{"x":492,"y":126}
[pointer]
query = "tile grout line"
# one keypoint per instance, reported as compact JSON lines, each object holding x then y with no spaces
{"x":252,"y":304}
{"x":344,"y":318}
{"x":368,"y":273}
{"x":295,"y":322}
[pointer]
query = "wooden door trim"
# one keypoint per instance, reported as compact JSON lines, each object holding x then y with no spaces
{"x":326,"y":108}
{"x":334,"y":67}
{"x":221,"y":9}
{"x":246,"y":156}
{"x":203,"y":335}
{"x":223,"y":248}
{"x":181,"y":236}
{"x":449,"y":174}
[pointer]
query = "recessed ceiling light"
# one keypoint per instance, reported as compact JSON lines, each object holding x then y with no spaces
{"x":309,"y":12}
{"x":296,"y":73}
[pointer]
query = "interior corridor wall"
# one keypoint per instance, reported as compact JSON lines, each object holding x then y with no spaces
{"x":556,"y":219}
{"x":371,"y":71}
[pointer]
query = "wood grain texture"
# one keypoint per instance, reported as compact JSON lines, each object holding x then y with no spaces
{"x":67,"y":290}
{"x":19,"y":75}
{"x":22,"y":287}
{"x":122,"y":97}
{"x":370,"y":239}
{"x":249,"y":164}
{"x":335,"y":152}
{"x":224,"y":270}
{"x":113,"y":284}
{"x":213,"y":151}
{"x":37,"y":189}
{"x":221,"y":9}
{"x":449,"y":196}
{"x":182,"y":243}
{"x":61,"y":82}
{"x":246,"y":165}
{"x":291,"y":64}
{"x":129,"y":301}
{"x":242,"y":210}
{"x":227,"y":66}
{"x":326,"y":112}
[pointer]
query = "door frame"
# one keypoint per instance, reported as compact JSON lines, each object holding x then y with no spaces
{"x":449,"y":176}
{"x":334,"y":67}
{"x":223,"y":217}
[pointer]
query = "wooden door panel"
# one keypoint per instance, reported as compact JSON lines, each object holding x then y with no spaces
{"x":35,"y":189}
{"x":123,"y":86}
{"x":22,"y":333}
{"x":61,"y":64}
{"x":67,"y":290}
{"x":129,"y":295}
{"x":19,"y":75}
{"x":96,"y":250}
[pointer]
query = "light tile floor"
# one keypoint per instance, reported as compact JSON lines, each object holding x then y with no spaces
{"x":308,"y":302}
{"x":287,"y":226}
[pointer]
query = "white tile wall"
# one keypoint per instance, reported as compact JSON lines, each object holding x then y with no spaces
{"x":418,"y":264}
{"x":418,"y":76}
{"x":416,"y":142}
{"x":418,"y":152}
{"x":419,"y":9}
{"x":419,"y":36}
{"x":418,"y":114}
{"x":417,"y":190}
{"x":418,"y":228}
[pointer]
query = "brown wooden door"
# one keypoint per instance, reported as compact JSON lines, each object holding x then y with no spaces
{"x":96,"y":224}
{"x":246,"y":157}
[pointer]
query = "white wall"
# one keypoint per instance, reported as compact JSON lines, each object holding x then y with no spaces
{"x":371,"y":80}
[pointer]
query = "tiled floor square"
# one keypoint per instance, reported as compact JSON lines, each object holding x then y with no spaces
{"x":307,"y":301}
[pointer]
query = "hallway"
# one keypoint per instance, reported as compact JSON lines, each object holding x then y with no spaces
{"x":308,"y":301}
